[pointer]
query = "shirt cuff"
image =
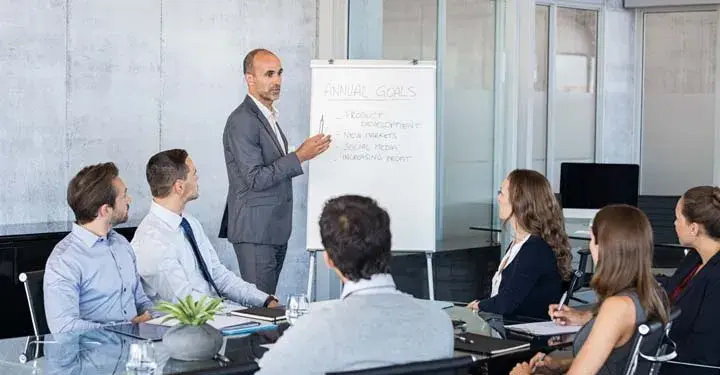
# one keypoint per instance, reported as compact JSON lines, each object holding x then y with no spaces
{"x":269,"y":299}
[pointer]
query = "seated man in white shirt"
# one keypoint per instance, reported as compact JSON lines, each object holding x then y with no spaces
{"x":174,"y":256}
{"x":373,"y":324}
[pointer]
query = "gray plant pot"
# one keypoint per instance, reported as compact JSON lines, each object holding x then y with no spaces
{"x":192,"y":343}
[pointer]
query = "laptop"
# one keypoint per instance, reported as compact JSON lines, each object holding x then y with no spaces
{"x":140,"y":331}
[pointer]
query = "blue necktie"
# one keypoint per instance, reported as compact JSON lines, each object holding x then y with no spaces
{"x":201,"y":263}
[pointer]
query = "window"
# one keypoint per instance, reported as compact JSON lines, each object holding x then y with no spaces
{"x":678,"y":103}
{"x":573,"y":107}
{"x":407,"y":29}
{"x":540,"y":99}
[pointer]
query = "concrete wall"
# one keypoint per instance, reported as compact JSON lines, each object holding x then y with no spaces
{"x":86,"y":81}
{"x":619,"y":137}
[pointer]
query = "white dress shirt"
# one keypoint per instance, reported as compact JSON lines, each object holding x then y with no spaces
{"x":271,"y":117}
{"x":507,"y":259}
{"x":168,"y":267}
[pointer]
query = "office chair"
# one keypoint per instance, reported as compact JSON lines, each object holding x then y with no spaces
{"x":579,"y":279}
{"x":653,"y":337}
{"x":457,"y":365}
{"x":33,"y":282}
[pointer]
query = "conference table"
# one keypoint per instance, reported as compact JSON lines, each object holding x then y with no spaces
{"x":99,"y":352}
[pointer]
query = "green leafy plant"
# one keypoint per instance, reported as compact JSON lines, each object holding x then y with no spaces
{"x":191,"y":312}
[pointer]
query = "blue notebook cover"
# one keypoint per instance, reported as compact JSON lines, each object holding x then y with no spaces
{"x":243,"y":331}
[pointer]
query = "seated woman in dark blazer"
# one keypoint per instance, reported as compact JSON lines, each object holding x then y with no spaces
{"x":695,"y":286}
{"x":621,"y":246}
{"x":531,"y":274}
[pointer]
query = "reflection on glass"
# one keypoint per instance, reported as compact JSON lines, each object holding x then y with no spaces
{"x":468,"y":118}
{"x":90,"y":352}
{"x":575,"y":72}
{"x":678,"y":101}
{"x":542,"y":22}
{"x":392,"y":29}
{"x":409,"y":29}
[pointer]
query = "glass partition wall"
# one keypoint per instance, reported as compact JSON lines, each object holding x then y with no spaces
{"x":461,"y":36}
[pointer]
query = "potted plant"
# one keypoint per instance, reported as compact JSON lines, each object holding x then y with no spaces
{"x":192,"y":339}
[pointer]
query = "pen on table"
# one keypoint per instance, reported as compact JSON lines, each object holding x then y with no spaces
{"x":322,"y":124}
{"x":464,"y":339}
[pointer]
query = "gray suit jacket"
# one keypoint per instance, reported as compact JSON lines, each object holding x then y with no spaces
{"x":260,"y":196}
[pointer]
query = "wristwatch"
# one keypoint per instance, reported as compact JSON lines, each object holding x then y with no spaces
{"x":270,"y":299}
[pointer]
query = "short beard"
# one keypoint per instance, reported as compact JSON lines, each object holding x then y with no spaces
{"x":119,"y":220}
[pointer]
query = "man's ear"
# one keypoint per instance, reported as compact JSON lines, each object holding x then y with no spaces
{"x":178,"y":187}
{"x":250,"y":79}
{"x":328,"y":261}
{"x":104,"y":211}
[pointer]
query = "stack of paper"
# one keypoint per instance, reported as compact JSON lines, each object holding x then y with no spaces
{"x":543,"y":328}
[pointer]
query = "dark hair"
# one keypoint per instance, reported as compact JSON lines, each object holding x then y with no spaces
{"x":701,"y":205}
{"x":90,"y":189}
{"x":537,"y":211}
{"x":250,"y":59}
{"x":163,"y":169}
{"x":355,"y":232}
{"x":625,"y":238}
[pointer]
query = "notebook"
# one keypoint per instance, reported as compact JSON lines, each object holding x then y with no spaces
{"x":219,"y":321}
{"x":470,"y":342}
{"x":261,"y":313}
{"x":548,"y":328}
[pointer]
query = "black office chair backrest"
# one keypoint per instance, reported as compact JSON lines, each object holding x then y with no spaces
{"x":579,"y":278}
{"x":652,"y":346}
{"x":457,"y":365}
{"x":33,"y":282}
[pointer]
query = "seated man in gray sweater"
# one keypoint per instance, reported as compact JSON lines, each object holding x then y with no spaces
{"x":373,"y":324}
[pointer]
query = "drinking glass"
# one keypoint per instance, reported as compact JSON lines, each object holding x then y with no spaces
{"x":141,"y":359}
{"x":297,"y":306}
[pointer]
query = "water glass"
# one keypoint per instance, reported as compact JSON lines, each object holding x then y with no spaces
{"x":141,"y":360}
{"x":297,"y":306}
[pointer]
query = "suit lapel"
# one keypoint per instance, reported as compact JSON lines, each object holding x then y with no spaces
{"x":700,"y":279}
{"x":251,"y":103}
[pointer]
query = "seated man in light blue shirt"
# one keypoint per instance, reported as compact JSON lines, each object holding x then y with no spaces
{"x":175,"y":257}
{"x":373,"y":324}
{"x":90,"y":278}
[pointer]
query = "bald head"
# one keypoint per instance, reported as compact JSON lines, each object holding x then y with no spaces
{"x":249,"y":61}
{"x":263,"y":73}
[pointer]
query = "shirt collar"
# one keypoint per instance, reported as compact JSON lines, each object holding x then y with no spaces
{"x":168,"y":217}
{"x":265,"y":111}
{"x":376,"y":281}
{"x":87,"y":237}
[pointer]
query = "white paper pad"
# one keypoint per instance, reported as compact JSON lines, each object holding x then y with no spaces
{"x":543,"y":328}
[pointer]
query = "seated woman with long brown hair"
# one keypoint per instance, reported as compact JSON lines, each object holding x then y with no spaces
{"x":621,"y":246}
{"x":531,"y":274}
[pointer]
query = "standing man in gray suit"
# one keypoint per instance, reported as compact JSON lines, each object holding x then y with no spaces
{"x":258,"y":214}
